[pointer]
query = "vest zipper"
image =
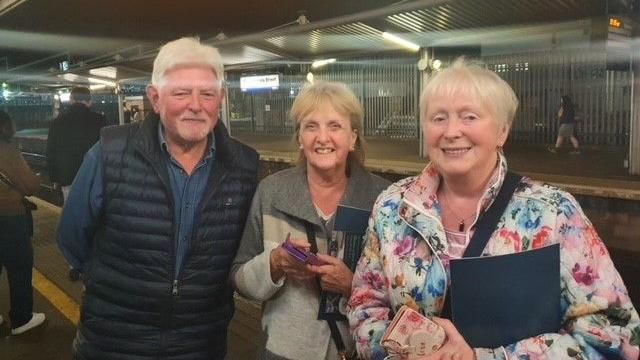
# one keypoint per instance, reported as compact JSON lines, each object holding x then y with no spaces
{"x":174,"y":288}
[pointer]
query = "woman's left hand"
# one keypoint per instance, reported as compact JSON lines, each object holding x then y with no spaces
{"x":335,"y":276}
{"x":455,"y":347}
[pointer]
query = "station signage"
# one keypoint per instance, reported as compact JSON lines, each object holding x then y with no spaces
{"x":258,"y":82}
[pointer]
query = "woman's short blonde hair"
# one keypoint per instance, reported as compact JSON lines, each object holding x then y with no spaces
{"x":472,"y":77}
{"x":342,"y":99}
{"x":184,"y":52}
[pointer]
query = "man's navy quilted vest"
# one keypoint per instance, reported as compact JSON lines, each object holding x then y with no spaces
{"x":133,"y":307}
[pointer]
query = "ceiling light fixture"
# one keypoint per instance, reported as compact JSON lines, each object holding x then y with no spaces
{"x":320,"y":63}
{"x":107,"y":72}
{"x":100,"y":81}
{"x":400,"y":41}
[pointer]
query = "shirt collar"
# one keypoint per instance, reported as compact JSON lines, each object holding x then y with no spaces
{"x":165,"y":147}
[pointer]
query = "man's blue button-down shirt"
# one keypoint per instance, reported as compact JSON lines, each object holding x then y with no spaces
{"x":81,"y":213}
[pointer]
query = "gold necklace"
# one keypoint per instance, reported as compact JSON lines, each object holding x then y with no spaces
{"x":462,"y":219}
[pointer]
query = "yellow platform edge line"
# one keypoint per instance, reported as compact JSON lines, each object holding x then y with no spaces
{"x":58,"y":298}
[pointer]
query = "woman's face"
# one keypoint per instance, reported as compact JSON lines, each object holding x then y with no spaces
{"x":326,"y":138}
{"x":462,"y":135}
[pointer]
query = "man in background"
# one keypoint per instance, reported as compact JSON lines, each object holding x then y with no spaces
{"x":71,"y":135}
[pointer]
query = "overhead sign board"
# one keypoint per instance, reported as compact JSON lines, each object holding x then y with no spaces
{"x":256,"y":82}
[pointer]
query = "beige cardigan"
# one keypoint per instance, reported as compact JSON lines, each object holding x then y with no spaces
{"x":13,"y":165}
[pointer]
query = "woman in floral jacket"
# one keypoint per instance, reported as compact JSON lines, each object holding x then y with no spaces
{"x":419,"y":224}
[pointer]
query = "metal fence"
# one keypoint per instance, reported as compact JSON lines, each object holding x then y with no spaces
{"x":602,"y":97}
{"x":386,"y":86}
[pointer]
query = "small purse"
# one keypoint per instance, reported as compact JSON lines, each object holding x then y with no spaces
{"x":412,"y":335}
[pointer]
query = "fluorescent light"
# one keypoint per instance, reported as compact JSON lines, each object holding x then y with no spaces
{"x":319,"y":63}
{"x":70,"y":77}
{"x":97,"y":87}
{"x":103,"y":82}
{"x":400,"y":41}
{"x":106,"y":72}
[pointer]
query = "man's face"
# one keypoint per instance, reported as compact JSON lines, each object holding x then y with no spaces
{"x":188,"y":102}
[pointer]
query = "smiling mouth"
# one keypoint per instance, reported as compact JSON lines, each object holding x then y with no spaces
{"x":456,"y":151}
{"x":324,"y":151}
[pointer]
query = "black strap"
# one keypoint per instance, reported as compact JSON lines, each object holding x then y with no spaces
{"x":485,"y":226}
{"x":333,"y":327}
{"x":489,"y":219}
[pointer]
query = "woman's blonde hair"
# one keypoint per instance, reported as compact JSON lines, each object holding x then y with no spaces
{"x":472,"y":77}
{"x":342,"y":99}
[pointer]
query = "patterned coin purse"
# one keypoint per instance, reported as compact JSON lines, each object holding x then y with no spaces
{"x":411,"y":335}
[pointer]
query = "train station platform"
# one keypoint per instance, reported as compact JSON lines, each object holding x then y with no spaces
{"x":596,"y":171}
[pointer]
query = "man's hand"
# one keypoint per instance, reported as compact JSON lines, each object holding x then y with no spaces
{"x":455,"y":347}
{"x":284,"y":264}
{"x":335,"y":276}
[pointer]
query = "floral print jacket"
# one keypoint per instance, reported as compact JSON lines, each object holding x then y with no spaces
{"x":405,"y":262}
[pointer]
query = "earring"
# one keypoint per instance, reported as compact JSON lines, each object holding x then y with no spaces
{"x":300,"y":147}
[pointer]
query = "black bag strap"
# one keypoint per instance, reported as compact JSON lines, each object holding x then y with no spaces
{"x":333,"y":327}
{"x":485,"y":226}
{"x":489,"y":219}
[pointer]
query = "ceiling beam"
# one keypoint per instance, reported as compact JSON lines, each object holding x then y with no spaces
{"x":8,"y":5}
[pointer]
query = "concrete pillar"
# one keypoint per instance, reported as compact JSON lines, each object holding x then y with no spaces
{"x":120,"y":94}
{"x":634,"y":130}
{"x":224,"y":109}
{"x":424,"y":65}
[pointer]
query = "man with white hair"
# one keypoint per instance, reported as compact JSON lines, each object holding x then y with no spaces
{"x":154,"y":218}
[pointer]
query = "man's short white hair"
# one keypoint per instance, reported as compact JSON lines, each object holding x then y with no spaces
{"x":185,"y":52}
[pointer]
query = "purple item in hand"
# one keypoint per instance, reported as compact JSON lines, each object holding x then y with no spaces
{"x":301,"y":255}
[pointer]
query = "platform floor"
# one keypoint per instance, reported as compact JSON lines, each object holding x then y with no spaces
{"x":596,"y":171}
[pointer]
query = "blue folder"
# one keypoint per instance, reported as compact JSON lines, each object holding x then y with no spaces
{"x":499,"y":300}
{"x":349,"y":227}
{"x":351,"y":223}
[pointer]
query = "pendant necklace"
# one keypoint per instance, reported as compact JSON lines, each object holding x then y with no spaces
{"x":461,"y":223}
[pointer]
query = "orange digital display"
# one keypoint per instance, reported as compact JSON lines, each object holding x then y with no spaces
{"x":615,"y":23}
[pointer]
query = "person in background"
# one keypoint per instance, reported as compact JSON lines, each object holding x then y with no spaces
{"x":567,"y":119}
{"x":419,"y":224}
{"x":329,"y":131}
{"x":155,"y":216}
{"x":71,"y":134}
{"x":126,"y":113}
{"x":16,"y":252}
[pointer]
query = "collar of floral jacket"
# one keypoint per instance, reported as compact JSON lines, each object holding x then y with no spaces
{"x":419,"y":205}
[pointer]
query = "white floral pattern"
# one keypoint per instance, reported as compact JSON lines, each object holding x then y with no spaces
{"x":402,"y":264}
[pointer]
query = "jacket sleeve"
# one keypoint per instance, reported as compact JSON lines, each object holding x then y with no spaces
{"x":20,"y":174}
{"x":369,"y":306}
{"x":82,"y":210}
{"x":599,"y":319}
{"x":251,"y":268}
